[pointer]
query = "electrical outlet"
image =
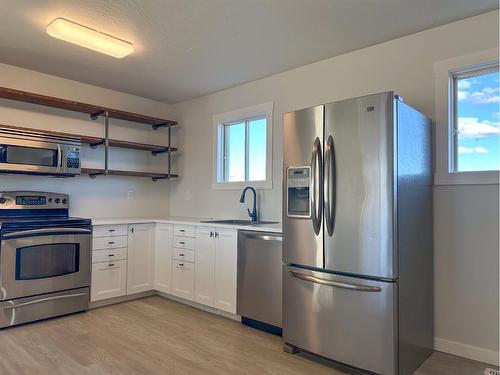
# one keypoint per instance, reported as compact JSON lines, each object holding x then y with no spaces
{"x":131,"y":195}
{"x":490,"y":371}
{"x":187,"y":195}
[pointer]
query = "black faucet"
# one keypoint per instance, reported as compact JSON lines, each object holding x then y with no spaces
{"x":252,"y":214}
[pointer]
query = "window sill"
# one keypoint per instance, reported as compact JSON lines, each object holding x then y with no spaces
{"x":467,"y":178}
{"x":259,"y":185}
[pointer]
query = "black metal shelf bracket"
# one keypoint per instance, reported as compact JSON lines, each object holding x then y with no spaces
{"x":160,"y":151}
{"x":95,"y":115}
{"x":160,"y":178}
{"x":94,"y":145}
{"x":160,"y":125}
{"x":94,"y":175}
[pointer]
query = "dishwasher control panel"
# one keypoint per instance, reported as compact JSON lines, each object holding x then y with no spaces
{"x":298,"y":183}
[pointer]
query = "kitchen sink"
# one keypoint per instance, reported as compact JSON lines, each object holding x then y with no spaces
{"x":239,"y":222}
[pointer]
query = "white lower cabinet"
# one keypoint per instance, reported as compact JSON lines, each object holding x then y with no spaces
{"x":204,"y":267}
{"x":226,"y":259}
{"x":183,"y":279}
{"x":196,"y":263}
{"x":109,"y":280}
{"x":140,"y":259}
{"x":163,"y":258}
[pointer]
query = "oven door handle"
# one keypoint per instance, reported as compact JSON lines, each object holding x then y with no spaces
{"x":45,"y":231}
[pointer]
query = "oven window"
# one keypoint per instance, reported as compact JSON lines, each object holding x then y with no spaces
{"x":31,"y":156}
{"x":43,"y":261}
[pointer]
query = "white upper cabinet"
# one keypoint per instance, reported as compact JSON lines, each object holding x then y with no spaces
{"x":204,"y":266}
{"x":140,"y":262}
{"x":163,"y":258}
{"x":226,"y":256}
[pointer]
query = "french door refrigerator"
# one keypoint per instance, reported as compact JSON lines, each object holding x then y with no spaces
{"x":357,"y":233}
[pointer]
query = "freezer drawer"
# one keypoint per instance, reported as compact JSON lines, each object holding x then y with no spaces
{"x":352,"y":322}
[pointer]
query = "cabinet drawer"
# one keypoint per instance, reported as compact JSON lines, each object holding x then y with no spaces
{"x":184,"y":242}
{"x":183,"y":279}
{"x":110,"y":230}
{"x":109,"y":255}
{"x":183,"y":254}
{"x":184,"y":230}
{"x":101,"y":243}
{"x":109,"y":280}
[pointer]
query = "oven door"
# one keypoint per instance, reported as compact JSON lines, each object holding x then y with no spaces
{"x":44,"y":260}
{"x":23,"y":155}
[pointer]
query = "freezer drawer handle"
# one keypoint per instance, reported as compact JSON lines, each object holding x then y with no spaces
{"x":336,"y":284}
{"x":44,"y":300}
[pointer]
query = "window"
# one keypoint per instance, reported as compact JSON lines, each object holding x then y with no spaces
{"x":243,"y":148}
{"x":475,"y":116}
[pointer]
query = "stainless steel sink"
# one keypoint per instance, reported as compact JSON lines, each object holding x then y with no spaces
{"x":239,"y":222}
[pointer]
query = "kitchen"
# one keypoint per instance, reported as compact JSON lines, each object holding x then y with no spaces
{"x":159,"y":210}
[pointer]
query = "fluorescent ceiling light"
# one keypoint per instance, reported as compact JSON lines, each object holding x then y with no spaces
{"x":89,"y":38}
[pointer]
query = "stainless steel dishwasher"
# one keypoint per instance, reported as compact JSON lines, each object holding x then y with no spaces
{"x":260,"y":280}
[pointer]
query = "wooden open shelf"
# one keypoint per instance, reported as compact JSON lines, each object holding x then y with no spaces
{"x":91,"y":140}
{"x":154,"y":176}
{"x":91,"y":109}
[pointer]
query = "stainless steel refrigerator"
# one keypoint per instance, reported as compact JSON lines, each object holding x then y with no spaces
{"x":357,"y":233}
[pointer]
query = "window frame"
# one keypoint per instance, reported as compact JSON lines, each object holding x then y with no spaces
{"x":220,"y":122}
{"x":445,"y":108}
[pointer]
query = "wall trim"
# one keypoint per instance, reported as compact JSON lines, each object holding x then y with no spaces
{"x":466,"y":351}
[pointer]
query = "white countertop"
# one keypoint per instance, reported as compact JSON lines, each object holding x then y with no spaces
{"x":274,"y":228}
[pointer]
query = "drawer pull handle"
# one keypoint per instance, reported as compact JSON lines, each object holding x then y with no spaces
{"x":181,"y":230}
{"x":111,"y":242}
{"x":111,"y":265}
{"x":111,"y":255}
{"x":181,"y":255}
{"x":111,"y":230}
{"x":181,"y":242}
{"x":181,"y":264}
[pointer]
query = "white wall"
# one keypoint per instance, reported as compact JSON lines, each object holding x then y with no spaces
{"x":406,"y":66}
{"x":104,"y":196}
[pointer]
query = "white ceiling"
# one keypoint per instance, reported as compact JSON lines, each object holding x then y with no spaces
{"x":188,"y":48}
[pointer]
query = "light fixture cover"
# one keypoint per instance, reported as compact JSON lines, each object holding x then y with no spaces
{"x":89,"y":38}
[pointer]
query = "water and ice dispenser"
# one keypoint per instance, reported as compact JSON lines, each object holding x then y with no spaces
{"x":298,"y":184}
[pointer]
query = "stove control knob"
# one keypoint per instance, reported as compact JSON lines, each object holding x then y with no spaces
{"x":64,"y":201}
{"x":57,"y":200}
{"x":2,"y":200}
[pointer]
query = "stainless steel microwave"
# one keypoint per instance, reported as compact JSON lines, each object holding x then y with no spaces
{"x":38,"y":153}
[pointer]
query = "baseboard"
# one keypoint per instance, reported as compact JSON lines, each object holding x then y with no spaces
{"x":200,"y":306}
{"x":112,"y":301}
{"x":467,"y":351}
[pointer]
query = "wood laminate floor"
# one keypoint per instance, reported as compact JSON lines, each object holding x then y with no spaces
{"x":154,"y":335}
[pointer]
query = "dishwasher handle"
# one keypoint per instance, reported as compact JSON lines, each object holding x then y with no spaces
{"x":263,"y":237}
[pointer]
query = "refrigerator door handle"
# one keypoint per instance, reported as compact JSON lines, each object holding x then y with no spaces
{"x":330,"y":183}
{"x":316,"y":184}
{"x":336,"y":284}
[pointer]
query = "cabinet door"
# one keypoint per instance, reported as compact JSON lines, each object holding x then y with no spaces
{"x":183,"y":279}
{"x":163,"y":258}
{"x":140,"y":267}
{"x":226,"y":255}
{"x":109,"y":280}
{"x":204,"y":267}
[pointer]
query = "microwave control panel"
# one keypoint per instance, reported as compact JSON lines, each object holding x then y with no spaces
{"x":73,"y":157}
{"x":298,"y":183}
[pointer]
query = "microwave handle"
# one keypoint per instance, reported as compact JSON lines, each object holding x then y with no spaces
{"x":59,"y":157}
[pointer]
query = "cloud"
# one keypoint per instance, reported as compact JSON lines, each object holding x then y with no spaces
{"x":487,"y":95}
{"x":472,"y":150}
{"x":471,"y":127}
{"x":463,"y":84}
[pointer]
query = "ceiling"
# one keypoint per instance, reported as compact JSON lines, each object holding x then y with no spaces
{"x":188,"y":48}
